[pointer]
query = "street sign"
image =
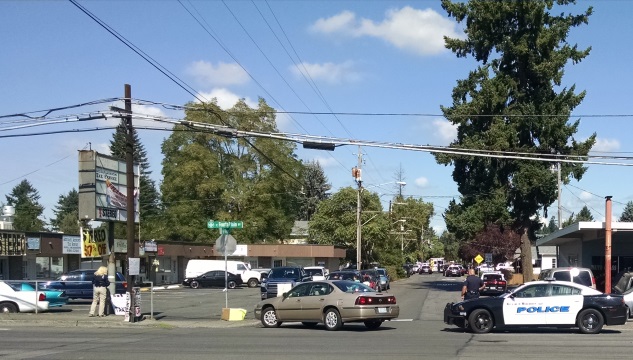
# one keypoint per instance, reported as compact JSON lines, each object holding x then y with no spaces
{"x":215,"y":224}
{"x":225,"y":245}
{"x":488,"y":257}
{"x":479,"y":259}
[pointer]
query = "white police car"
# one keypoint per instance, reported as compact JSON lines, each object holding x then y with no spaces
{"x":540,"y":304}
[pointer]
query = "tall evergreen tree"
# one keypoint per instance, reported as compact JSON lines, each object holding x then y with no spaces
{"x":584,"y":215}
{"x":514,"y":101}
{"x":66,"y":204}
{"x":627,"y":213}
{"x":553,"y":225}
{"x":149,"y":198}
{"x":25,"y":198}
{"x":315,"y":190}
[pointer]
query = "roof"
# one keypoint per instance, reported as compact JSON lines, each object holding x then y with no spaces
{"x":584,"y":230}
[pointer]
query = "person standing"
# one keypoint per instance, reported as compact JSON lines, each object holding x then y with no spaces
{"x":99,"y":291}
{"x":472,"y":286}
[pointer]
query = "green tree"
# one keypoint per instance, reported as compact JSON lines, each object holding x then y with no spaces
{"x":514,"y":101}
{"x":208,"y":176}
{"x":66,"y":205}
{"x":334,"y":223}
{"x":553,"y":225}
{"x":627,"y":213}
{"x":570,"y":220}
{"x":412,"y":220}
{"x":25,"y":198}
{"x":315,"y":189}
{"x":68,"y":223}
{"x":584,"y":215}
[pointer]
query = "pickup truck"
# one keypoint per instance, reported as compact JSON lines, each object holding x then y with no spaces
{"x":291,"y":275}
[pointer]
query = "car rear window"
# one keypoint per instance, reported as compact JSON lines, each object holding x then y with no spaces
{"x":352,"y":287}
{"x":562,"y":276}
{"x":492,"y":277}
{"x":584,"y":278}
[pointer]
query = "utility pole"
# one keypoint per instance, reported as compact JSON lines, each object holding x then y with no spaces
{"x":560,"y":208}
{"x":129,"y":168}
{"x":607,"y":246}
{"x":357,"y":173}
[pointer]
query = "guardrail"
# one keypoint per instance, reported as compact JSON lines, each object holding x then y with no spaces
{"x":37,"y":288}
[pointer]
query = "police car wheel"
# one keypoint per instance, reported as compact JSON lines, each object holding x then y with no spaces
{"x":590,"y":321}
{"x":480,"y":321}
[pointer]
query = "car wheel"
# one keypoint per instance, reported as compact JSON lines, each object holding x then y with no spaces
{"x":231,"y":284}
{"x":373,"y":324}
{"x":194,"y":284}
{"x":309,"y":324}
{"x":8,"y":308}
{"x":590,"y":321}
{"x":269,"y":318}
{"x":252,"y":283}
{"x":332,"y":319}
{"x":480,"y":321}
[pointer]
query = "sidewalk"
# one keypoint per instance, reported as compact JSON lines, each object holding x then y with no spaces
{"x":81,"y":319}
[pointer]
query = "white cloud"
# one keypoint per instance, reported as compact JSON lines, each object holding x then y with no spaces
{"x":444,"y":130}
{"x":585,"y":196}
{"x":418,"y":31}
{"x":328,"y":72}
{"x":606,"y":145}
{"x":325,"y":162}
{"x":422,"y":182}
{"x":222,"y":74}
{"x":226,"y":99}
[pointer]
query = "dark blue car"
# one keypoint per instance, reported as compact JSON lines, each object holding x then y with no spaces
{"x":77,"y":284}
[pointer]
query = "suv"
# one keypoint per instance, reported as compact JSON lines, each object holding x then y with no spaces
{"x":317,"y":272}
{"x":453,"y":270}
{"x":78,"y":284}
{"x":291,"y":275}
{"x":582,"y":276}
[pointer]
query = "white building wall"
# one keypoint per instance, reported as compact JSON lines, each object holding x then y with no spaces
{"x":570,"y":254}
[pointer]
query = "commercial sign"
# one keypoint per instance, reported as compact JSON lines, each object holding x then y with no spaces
{"x":33,"y":243}
{"x":12,"y":244}
{"x":151,"y":246}
{"x":71,"y":244}
{"x":103,"y":188}
{"x":94,"y":242}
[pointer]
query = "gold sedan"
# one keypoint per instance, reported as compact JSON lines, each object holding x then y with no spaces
{"x":332,"y":303}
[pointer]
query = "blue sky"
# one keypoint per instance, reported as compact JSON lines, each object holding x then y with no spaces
{"x":373,"y":57}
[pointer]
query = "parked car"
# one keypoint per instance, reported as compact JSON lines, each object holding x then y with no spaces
{"x":317,"y":272}
{"x":628,"y":300}
{"x":344,"y":275}
{"x":55,"y":298}
{"x":505,"y":266}
{"x":332,"y":303}
{"x":485,"y":268}
{"x":77,"y":284}
{"x":385,"y":279}
{"x":453,"y":270}
{"x":582,"y":276}
{"x":425,"y":269}
{"x":284,"y":276}
{"x":263,"y":271}
{"x":540,"y":304}
{"x":13,"y":299}
{"x":623,"y":283}
{"x":214,"y":278}
{"x":408,"y":269}
{"x":494,"y":282}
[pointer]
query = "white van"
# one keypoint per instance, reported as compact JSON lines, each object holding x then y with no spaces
{"x":197,"y":267}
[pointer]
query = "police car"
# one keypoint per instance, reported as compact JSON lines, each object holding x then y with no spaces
{"x":540,"y":304}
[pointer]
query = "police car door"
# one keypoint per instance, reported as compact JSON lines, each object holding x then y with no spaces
{"x":526,"y":306}
{"x":563,"y":304}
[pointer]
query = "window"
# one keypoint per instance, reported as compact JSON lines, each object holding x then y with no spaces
{"x":49,"y":267}
{"x":532,"y":291}
{"x":278,"y":263}
{"x":562,"y":276}
{"x":301,"y":290}
{"x":561,"y":290}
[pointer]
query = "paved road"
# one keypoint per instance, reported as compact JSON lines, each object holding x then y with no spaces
{"x":188,"y":327}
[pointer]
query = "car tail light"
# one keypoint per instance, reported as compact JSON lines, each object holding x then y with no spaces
{"x":125,"y":285}
{"x":369,"y":300}
{"x":42,"y":297}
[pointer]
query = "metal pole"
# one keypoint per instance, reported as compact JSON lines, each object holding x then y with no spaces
{"x":129,"y":168}
{"x":560,"y":207}
{"x":358,"y":209}
{"x":226,"y":273}
{"x":607,"y":247}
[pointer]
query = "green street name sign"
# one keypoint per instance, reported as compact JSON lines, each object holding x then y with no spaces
{"x":215,"y":224}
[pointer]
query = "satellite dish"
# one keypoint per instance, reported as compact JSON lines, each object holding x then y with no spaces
{"x":225,"y":245}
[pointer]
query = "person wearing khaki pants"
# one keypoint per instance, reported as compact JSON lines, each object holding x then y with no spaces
{"x":99,"y":291}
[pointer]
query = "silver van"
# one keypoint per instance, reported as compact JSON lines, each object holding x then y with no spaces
{"x":582,"y":276}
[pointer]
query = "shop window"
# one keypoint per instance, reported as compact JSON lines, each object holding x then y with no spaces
{"x":49,"y":267}
{"x":278,"y":263}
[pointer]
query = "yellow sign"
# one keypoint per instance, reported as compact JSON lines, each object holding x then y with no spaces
{"x":479,"y":259}
{"x":94,"y":242}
